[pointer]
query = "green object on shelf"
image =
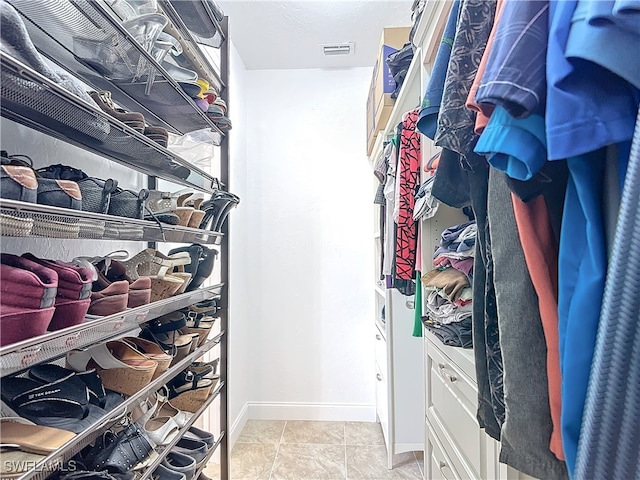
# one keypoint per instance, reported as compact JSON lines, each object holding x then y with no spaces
{"x":417,"y":321}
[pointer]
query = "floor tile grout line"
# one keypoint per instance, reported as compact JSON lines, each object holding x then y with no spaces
{"x":346,"y":470}
{"x":275,"y":458}
{"x":418,"y":463}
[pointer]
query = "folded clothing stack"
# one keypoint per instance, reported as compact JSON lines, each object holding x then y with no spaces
{"x":448,"y":301}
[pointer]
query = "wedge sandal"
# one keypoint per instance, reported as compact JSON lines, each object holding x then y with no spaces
{"x":33,"y":438}
{"x":152,"y":351}
{"x":188,"y":390}
{"x":121,"y":367}
{"x":165,"y":332}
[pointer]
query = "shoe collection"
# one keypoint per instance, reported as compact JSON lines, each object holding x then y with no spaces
{"x":134,"y":120}
{"x":98,"y":379}
{"x":54,"y":295}
{"x":37,"y":295}
{"x":68,"y":187}
{"x":53,"y":403}
{"x":65,"y":187}
{"x":190,"y":209}
{"x":152,"y":30}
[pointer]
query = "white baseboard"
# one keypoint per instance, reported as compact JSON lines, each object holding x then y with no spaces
{"x":238,"y":425}
{"x":337,"y":412}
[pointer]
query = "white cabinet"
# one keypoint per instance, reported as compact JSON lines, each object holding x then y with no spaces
{"x":456,"y":446}
{"x":451,"y":404}
{"x":399,"y":377}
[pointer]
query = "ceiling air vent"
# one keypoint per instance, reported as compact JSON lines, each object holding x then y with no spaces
{"x":339,"y":48}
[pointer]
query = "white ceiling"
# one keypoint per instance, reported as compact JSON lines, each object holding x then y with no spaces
{"x":289,"y":33}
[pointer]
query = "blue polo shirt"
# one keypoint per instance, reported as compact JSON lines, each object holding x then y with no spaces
{"x":517,"y":146}
{"x":588,"y":106}
{"x":599,"y":28}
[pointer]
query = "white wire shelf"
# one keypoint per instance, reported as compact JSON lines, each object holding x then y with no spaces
{"x":23,"y":219}
{"x":42,"y":469}
{"x":35,"y":101}
{"x":87,"y":39}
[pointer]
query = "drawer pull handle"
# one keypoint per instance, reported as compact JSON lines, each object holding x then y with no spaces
{"x":446,"y":375}
{"x":443,"y":466}
{"x":378,"y":337}
{"x":379,"y":377}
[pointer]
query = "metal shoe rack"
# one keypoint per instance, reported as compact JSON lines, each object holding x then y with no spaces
{"x":63,"y":32}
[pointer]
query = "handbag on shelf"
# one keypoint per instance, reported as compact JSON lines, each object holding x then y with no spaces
{"x":96,"y":193}
{"x":127,"y":203}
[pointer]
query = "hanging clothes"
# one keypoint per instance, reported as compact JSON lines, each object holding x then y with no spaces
{"x":588,"y":108}
{"x":408,"y":177}
{"x":514,"y":84}
{"x":432,"y":98}
{"x":527,"y":430}
{"x":611,"y":431}
{"x":389,"y":195}
{"x":467,"y":179}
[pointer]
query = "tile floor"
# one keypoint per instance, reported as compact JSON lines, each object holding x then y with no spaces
{"x":301,"y":450}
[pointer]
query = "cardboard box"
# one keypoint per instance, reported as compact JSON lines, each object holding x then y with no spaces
{"x":379,"y":101}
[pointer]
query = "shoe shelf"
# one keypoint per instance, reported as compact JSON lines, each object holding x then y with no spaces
{"x":167,"y":448}
{"x":190,"y":40}
{"x":87,"y":39}
{"x":60,"y":457}
{"x":33,"y":100}
{"x":211,"y":33}
{"x":20,"y":356}
{"x":210,"y":453}
{"x":23,"y":219}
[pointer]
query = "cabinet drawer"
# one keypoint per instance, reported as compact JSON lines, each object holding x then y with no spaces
{"x":452,"y":405}
{"x":382,"y":403}
{"x":453,"y":452}
{"x":381,"y":352}
{"x":439,"y":466}
{"x":462,"y":357}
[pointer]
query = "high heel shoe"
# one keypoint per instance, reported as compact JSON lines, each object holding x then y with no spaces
{"x":165,"y":331}
{"x":151,"y":263}
{"x":217,"y":208}
{"x":200,"y":324}
{"x":210,"y":306}
{"x":193,"y":200}
{"x":201,"y":266}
